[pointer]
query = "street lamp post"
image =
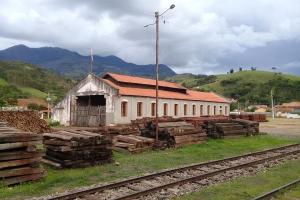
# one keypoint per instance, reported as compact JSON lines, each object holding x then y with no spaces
{"x":157,"y":15}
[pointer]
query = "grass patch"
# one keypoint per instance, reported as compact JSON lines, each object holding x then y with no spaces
{"x":250,"y":187}
{"x":133,"y":165}
{"x":33,"y":92}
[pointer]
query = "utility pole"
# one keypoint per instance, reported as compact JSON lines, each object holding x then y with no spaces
{"x":157,"y":15}
{"x":157,"y":73}
{"x":272,"y":104}
{"x":48,"y":105}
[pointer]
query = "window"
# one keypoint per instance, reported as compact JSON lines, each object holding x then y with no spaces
{"x":139,"y":109}
{"x":175,"y":109}
{"x":225,"y":110}
{"x":208,"y":110}
{"x":185,"y":107}
{"x":153,"y":108}
{"x":221,"y":111}
{"x":201,"y":110}
{"x":215,"y":110}
{"x":165,"y":109}
{"x":194,"y":110}
{"x":124,"y":108}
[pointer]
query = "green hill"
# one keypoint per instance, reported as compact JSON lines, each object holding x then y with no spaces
{"x":22,"y":80}
{"x":248,"y":87}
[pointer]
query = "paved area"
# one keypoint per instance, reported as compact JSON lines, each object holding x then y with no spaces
{"x":281,"y":126}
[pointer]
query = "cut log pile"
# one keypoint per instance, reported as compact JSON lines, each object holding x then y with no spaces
{"x":133,"y":143}
{"x":174,"y":133}
{"x":250,"y":116}
{"x":25,"y":120}
{"x":222,"y":128}
{"x":19,"y":156}
{"x":68,"y":149}
{"x":119,"y":130}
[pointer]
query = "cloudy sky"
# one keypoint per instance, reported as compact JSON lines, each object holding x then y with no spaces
{"x":198,"y":36}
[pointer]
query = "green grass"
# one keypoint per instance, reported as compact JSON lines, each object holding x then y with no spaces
{"x":292,"y":193}
{"x":133,"y":165}
{"x":33,"y":92}
{"x":249,"y":187}
{"x":2,"y":82}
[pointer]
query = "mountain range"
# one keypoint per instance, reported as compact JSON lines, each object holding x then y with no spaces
{"x":74,"y":65}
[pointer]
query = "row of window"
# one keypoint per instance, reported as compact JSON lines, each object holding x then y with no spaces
{"x":124,"y":109}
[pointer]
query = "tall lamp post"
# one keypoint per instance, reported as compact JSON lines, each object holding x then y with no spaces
{"x":157,"y":15}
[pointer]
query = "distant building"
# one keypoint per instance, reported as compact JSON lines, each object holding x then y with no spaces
{"x":288,"y":107}
{"x":23,"y":103}
{"x":118,"y":99}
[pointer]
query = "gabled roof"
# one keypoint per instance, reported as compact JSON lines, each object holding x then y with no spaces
{"x":295,"y":104}
{"x":142,"y":81}
{"x":148,"y":92}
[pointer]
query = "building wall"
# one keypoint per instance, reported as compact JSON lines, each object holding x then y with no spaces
{"x":146,"y":108}
{"x":91,"y":85}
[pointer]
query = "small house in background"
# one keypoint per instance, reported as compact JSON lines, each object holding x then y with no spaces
{"x":292,"y":107}
{"x":118,"y":99}
{"x":261,"y":108}
{"x":24,"y":103}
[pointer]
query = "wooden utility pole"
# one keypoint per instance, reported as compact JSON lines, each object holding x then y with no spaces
{"x":157,"y":72}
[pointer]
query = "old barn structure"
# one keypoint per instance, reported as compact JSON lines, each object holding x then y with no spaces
{"x":118,"y":99}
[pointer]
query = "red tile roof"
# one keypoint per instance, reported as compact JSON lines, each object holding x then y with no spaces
{"x":143,"y":81}
{"x":145,"y":92}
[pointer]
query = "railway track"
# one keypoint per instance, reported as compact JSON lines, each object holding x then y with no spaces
{"x":147,"y":185}
{"x":270,"y":194}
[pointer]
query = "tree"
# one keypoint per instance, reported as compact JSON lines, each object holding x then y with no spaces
{"x":231,"y":71}
{"x":33,"y":106}
{"x":241,"y":69}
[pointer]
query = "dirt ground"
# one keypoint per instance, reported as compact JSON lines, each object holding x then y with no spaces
{"x":281,"y":126}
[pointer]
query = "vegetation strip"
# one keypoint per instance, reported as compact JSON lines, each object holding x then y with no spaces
{"x":122,"y":183}
{"x":277,"y":190}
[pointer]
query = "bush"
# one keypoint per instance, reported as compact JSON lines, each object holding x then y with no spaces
{"x":54,"y":123}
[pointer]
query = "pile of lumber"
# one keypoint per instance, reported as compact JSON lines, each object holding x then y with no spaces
{"x":119,"y":130}
{"x":142,"y":123}
{"x":257,"y":117}
{"x":223,"y":128}
{"x":25,"y":120}
{"x":132,"y":143}
{"x":68,"y":149}
{"x":252,"y":127}
{"x":175,"y":133}
{"x":19,"y":157}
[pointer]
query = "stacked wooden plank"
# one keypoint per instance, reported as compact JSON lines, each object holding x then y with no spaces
{"x":19,"y":156}
{"x":133,"y":143}
{"x":222,"y":128}
{"x":252,"y":127}
{"x":65,"y":149}
{"x":258,"y":117}
{"x":119,"y":130}
{"x":175,"y":133}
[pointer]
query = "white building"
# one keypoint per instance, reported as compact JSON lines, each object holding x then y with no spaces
{"x":118,"y":99}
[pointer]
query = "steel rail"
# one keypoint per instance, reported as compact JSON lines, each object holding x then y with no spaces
{"x":201,"y":177}
{"x":277,"y":190}
{"x":77,"y":194}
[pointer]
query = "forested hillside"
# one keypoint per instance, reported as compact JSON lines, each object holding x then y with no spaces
{"x":22,"y":80}
{"x":248,"y":87}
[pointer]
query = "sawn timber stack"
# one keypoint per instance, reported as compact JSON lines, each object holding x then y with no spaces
{"x":175,"y":133}
{"x":133,"y":143}
{"x":66,"y":149}
{"x":223,"y":128}
{"x":19,"y":157}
